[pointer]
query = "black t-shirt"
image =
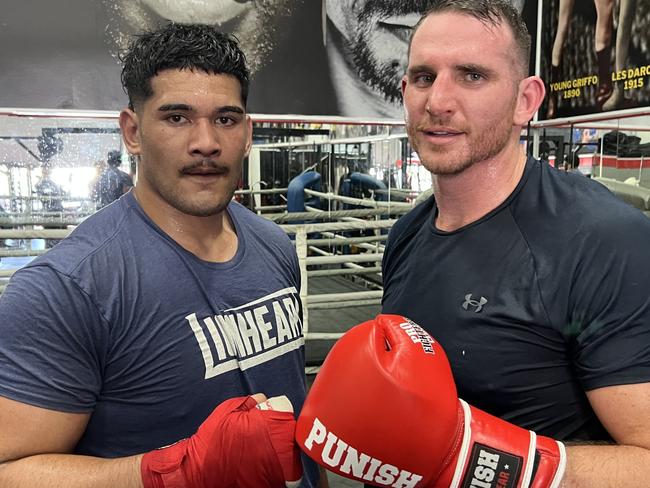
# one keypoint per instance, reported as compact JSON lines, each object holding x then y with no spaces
{"x":542,"y":299}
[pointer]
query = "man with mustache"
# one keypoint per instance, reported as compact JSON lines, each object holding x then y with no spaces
{"x":366,"y":43}
{"x":534,"y":281}
{"x":168,"y":317}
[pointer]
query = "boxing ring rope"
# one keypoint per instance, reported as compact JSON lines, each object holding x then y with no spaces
{"x":19,"y":253}
{"x":332,"y":272}
{"x":262,"y":191}
{"x":361,"y":242}
{"x":316,"y":228}
{"x":46,"y":198}
{"x":36,"y":220}
{"x":332,"y":215}
{"x":346,"y":258}
{"x":359,"y":201}
{"x":34,"y":233}
{"x":330,"y":241}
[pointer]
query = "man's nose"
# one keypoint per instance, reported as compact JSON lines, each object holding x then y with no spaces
{"x":204,"y":139}
{"x":441,"y":97}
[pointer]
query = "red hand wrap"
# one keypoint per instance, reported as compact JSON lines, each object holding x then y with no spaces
{"x":237,"y":446}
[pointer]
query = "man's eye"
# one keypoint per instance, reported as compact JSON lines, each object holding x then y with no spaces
{"x":225,"y":120}
{"x":423,"y":80}
{"x":176,"y":119}
{"x":474,"y":76}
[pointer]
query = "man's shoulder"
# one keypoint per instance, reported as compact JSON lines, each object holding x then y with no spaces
{"x":573,"y":198}
{"x":558,"y":212}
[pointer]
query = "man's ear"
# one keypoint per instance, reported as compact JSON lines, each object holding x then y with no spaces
{"x":404,"y":81}
{"x":249,"y":137}
{"x":129,"y":126}
{"x":529,"y":98}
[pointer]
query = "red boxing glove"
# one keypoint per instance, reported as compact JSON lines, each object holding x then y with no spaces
{"x":384,"y":410}
{"x":236,"y":446}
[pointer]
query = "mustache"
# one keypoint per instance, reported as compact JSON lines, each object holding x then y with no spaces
{"x":204,"y":164}
{"x":438,"y":121}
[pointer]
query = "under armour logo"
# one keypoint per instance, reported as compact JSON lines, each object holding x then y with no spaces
{"x":476,"y":304}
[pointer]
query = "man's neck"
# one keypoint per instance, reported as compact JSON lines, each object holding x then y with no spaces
{"x":466,"y":197}
{"x":211,"y":238}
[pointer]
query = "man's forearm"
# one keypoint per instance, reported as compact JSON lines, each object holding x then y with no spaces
{"x":71,"y":471}
{"x":606,"y":466}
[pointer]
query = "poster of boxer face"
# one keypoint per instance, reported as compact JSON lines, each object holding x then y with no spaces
{"x":64,"y":54}
{"x":307,"y":57}
{"x":595,"y":56}
{"x":367,"y":44}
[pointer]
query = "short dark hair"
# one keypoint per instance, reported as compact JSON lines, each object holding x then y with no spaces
{"x":114,"y":158}
{"x":180,"y":46}
{"x":490,"y":13}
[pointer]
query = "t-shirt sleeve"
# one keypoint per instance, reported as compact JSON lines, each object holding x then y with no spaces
{"x":51,"y":342}
{"x":610,"y":300}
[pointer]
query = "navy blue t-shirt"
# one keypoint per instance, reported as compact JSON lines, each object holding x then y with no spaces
{"x":544,"y":298}
{"x":121,"y":322}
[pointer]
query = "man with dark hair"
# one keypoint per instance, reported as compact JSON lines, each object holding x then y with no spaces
{"x":533,"y":280}
{"x":112,"y":183}
{"x":167,"y":318}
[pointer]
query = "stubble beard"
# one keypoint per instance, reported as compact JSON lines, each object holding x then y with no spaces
{"x":444,"y":162}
